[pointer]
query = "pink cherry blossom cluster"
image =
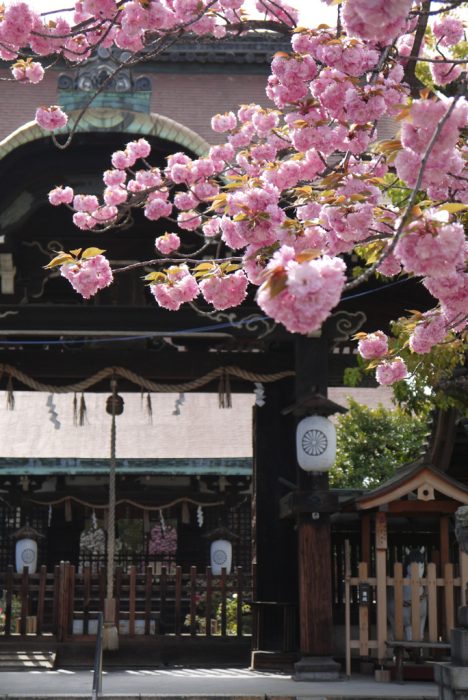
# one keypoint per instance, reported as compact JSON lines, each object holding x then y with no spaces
{"x":51,"y":118}
{"x":308,"y":290}
{"x":168,"y":243}
{"x":88,"y":276}
{"x":391,"y":371}
{"x":162,"y":541}
{"x":430,"y":331}
{"x":376,"y":20}
{"x":374,"y":345}
{"x":431,"y":248}
{"x":27,"y":71}
{"x":349,"y":56}
{"x":178,"y":287}
{"x":224,"y":291}
{"x":444,"y":163}
{"x":452,"y":293}
{"x":296,"y":185}
{"x":130,"y":26}
{"x":448,"y":30}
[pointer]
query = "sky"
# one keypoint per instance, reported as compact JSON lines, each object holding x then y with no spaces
{"x":312,"y":12}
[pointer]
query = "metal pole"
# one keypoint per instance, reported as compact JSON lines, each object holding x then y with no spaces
{"x":111,"y":635}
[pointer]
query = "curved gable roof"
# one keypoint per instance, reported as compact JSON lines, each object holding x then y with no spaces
{"x":408,"y":479}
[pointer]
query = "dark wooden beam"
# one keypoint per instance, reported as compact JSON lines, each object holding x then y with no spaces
{"x":96,"y":320}
{"x":412,"y":508}
{"x":63,"y":366}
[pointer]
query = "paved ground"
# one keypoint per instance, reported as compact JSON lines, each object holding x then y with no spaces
{"x":182,"y":682}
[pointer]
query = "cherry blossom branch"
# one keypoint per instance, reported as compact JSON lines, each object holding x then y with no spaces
{"x":174,"y":261}
{"x":447,"y":8}
{"x":435,"y":60}
{"x":410,"y":68}
{"x":163,"y":42}
{"x":404,"y":219}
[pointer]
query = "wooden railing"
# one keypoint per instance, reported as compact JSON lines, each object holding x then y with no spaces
{"x":440,"y":596}
{"x":66,"y":603}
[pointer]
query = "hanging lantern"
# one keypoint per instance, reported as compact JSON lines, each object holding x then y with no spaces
{"x":114,"y":405}
{"x":26,"y":549}
{"x":315,"y":444}
{"x":221,"y":549}
{"x":221,"y":556}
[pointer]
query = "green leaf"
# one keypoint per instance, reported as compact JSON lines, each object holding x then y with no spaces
{"x":232,"y":267}
{"x":204,"y":266}
{"x":352,"y":376}
{"x":91,"y":253}
{"x":61,"y":259}
{"x":155,"y":277}
{"x":205,"y":274}
{"x":453,"y":207}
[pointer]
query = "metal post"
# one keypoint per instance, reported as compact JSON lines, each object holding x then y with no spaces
{"x":111,"y":634}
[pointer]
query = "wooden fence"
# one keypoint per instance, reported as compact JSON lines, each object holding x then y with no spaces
{"x":372,"y":593}
{"x":65,"y":602}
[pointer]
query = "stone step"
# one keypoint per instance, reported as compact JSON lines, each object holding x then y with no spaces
{"x":26,"y":660}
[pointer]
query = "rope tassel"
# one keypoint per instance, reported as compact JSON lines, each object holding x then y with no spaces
{"x":224,"y":391}
{"x":10,"y":398}
{"x":83,"y":410}
{"x":149,"y":408}
{"x":75,"y":409}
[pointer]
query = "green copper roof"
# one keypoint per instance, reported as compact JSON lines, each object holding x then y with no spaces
{"x":61,"y":465}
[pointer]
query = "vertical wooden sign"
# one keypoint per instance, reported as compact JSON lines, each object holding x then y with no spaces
{"x":381,"y":571}
{"x":381,"y":530}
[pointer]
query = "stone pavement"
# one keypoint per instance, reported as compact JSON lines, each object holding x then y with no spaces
{"x":196,"y":683}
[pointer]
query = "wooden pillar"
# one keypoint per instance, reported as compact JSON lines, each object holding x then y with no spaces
{"x":314,"y":536}
{"x":315,"y":593}
{"x":463,"y":576}
{"x":274,"y":541}
{"x":444,"y":546}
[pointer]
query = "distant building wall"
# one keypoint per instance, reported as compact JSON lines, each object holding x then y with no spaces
{"x":190,"y":98}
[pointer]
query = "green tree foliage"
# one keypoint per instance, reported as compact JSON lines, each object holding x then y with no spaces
{"x":372,"y":443}
{"x":426,"y":386}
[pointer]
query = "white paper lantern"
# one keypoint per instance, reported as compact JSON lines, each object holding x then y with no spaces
{"x":221,"y":556}
{"x":316,"y":444}
{"x":26,"y":555}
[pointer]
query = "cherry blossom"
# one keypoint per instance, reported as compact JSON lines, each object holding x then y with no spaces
{"x":308,"y":290}
{"x":431,"y":330}
{"x":373,"y":345}
{"x":224,"y":122}
{"x":431,"y":248}
{"x":448,"y":30}
{"x":178,"y":287}
{"x":391,"y":371}
{"x":28,"y":71}
{"x":377,"y":20}
{"x":61,"y":195}
{"x":224,"y":291}
{"x":168,"y":243}
{"x":51,"y":118}
{"x":88,"y":276}
{"x":297,"y":184}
